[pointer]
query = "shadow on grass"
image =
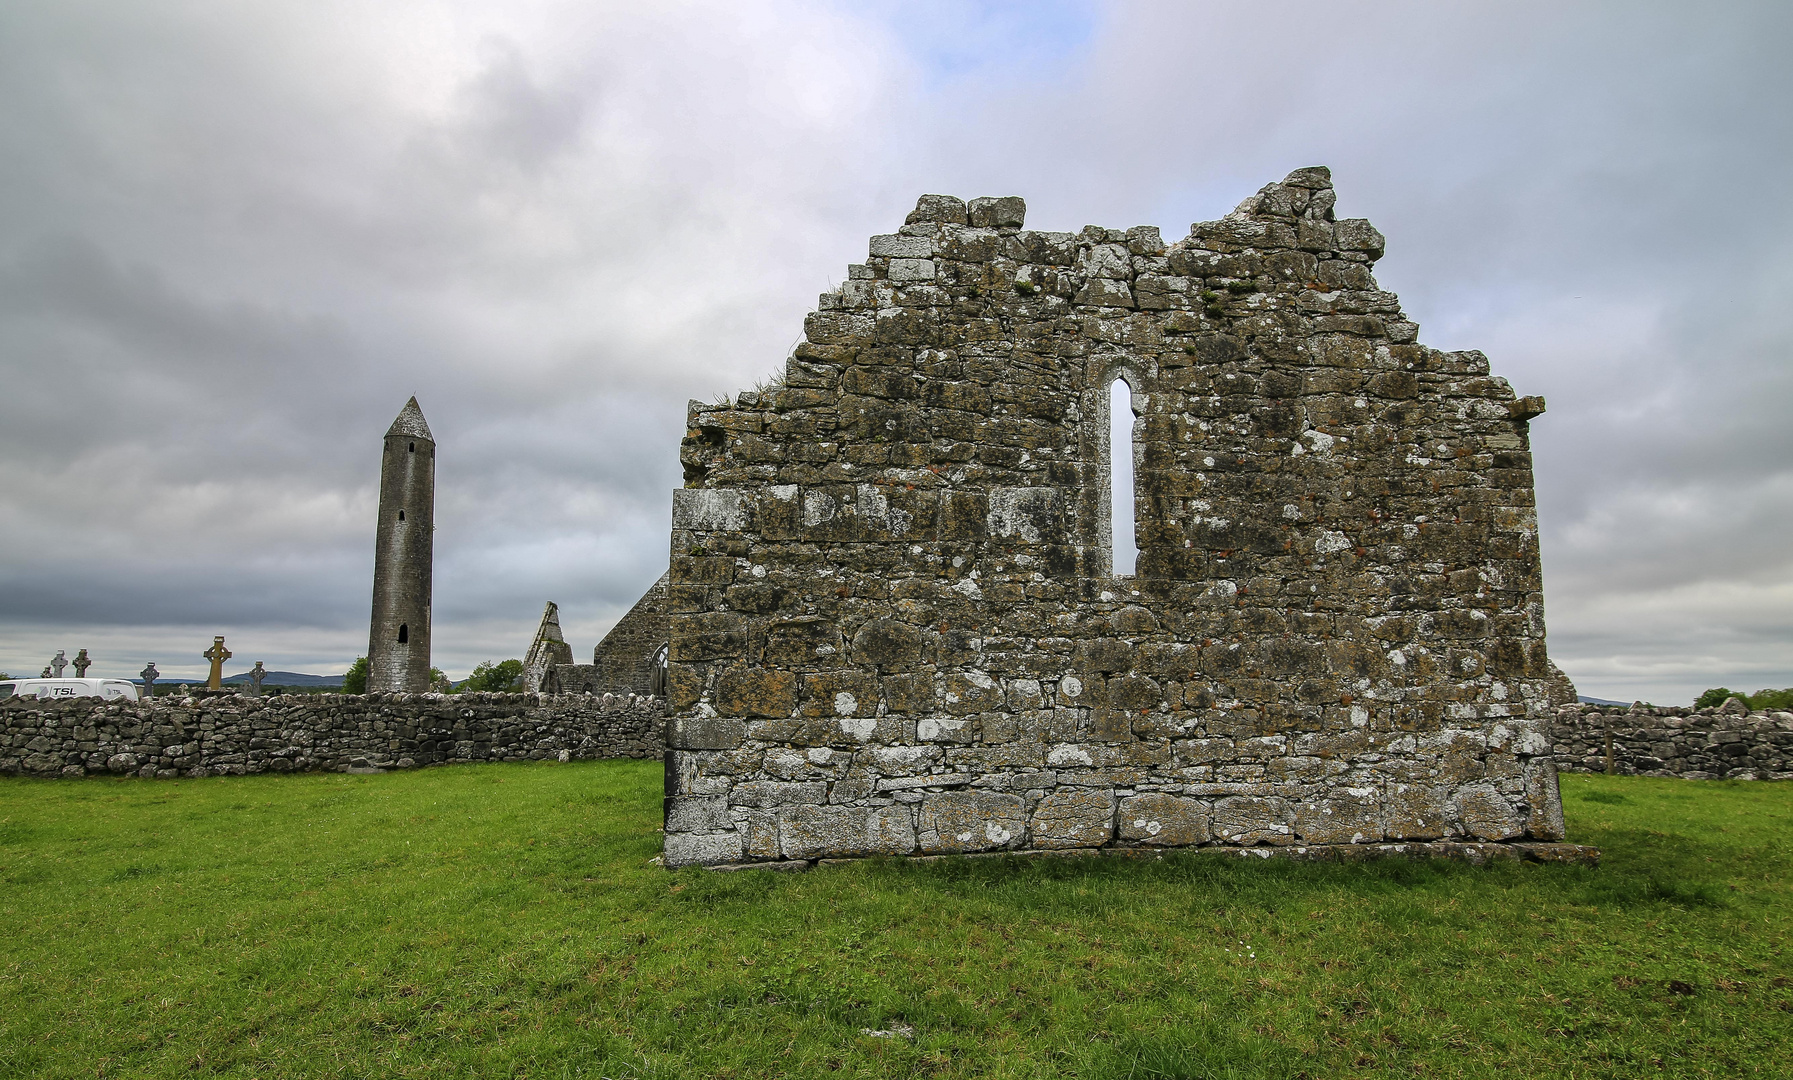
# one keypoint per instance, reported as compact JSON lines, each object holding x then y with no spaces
{"x":1642,"y":868}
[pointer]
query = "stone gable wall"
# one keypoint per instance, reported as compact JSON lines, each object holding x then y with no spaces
{"x":894,"y":622}
{"x":623,"y":660}
{"x":1729,"y":743}
{"x":236,"y":734}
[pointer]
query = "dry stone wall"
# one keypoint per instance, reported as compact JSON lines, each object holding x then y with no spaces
{"x":1729,"y":743}
{"x":236,"y":734}
{"x":895,"y":626}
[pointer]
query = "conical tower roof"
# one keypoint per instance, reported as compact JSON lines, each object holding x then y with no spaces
{"x":410,"y":423}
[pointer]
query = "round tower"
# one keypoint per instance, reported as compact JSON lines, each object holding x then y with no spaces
{"x":398,"y":637}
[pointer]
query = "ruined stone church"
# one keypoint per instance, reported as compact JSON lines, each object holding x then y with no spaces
{"x":899,"y":623}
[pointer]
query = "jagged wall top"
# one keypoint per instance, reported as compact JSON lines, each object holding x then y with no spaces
{"x":1305,"y":195}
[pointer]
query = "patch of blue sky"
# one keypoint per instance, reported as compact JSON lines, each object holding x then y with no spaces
{"x":950,"y":40}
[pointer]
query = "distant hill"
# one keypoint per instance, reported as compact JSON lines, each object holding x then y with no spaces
{"x":291,"y":679}
{"x":1584,"y":699}
{"x":275,"y":679}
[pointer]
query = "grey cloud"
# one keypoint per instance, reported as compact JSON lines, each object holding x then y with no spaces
{"x":240,"y":239}
{"x":1586,"y":193}
{"x":243,"y":237}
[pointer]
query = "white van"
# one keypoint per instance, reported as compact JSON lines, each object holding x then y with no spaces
{"x":46,"y":689}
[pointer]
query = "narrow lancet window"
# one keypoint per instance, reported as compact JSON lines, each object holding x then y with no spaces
{"x":404,"y":633}
{"x":401,"y":515}
{"x":1120,"y":478}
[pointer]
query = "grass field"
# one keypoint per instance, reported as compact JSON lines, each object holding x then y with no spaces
{"x":506,"y":921}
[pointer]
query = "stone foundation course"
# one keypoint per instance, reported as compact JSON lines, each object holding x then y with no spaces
{"x":238,"y":735}
{"x":1727,"y":743}
{"x":1475,"y":853}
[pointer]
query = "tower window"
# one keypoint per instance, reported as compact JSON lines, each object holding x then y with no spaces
{"x":411,"y":447}
{"x":404,"y":633}
{"x":401,"y":515}
{"x":1120,"y":478}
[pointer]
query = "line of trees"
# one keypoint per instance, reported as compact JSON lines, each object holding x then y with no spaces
{"x":1758,"y":701}
{"x":499,"y":676}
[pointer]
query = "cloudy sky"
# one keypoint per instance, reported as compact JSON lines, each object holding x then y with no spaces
{"x":235,"y":238}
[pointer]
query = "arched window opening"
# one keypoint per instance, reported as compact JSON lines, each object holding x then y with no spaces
{"x":657,"y":672}
{"x":1120,"y":477}
{"x":412,"y":447}
{"x":404,"y":633}
{"x":401,"y":515}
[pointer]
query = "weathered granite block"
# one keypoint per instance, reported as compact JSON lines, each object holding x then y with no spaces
{"x":687,"y":849}
{"x":807,"y":832}
{"x":971,"y":821}
{"x":1342,"y":816}
{"x":1486,"y":815}
{"x":1246,"y":819}
{"x":756,"y":692}
{"x":1414,"y":812}
{"x":1074,"y":817}
{"x":705,"y":733}
{"x":1164,"y":820}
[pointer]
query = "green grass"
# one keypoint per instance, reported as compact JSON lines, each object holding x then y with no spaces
{"x":506,"y":921}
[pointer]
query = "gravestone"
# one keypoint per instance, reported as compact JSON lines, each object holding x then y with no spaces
{"x":82,"y":663}
{"x":217,"y":654}
{"x":149,"y":675}
{"x":256,"y":675}
{"x":57,"y":664}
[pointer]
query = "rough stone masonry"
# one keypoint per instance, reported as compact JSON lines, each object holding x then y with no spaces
{"x":1724,"y":743}
{"x":895,"y":622}
{"x":237,"y":735}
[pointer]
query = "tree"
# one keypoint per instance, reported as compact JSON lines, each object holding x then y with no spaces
{"x":354,"y":681}
{"x":1763,"y":700}
{"x":501,"y":677}
{"x":1760,"y":701}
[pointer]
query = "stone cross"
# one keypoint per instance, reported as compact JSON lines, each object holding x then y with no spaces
{"x":46,"y":673}
{"x":82,"y":663}
{"x":57,"y":664}
{"x":255,"y":677}
{"x":150,"y":675}
{"x":217,"y":654}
